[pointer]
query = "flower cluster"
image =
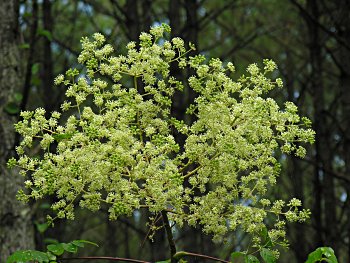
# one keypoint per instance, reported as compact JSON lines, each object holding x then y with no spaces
{"x":117,"y":147}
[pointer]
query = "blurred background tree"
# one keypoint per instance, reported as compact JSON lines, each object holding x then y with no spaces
{"x":309,"y":40}
{"x":16,"y":228}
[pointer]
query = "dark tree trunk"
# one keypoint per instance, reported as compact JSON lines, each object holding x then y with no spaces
{"x":47,"y":72}
{"x":174,"y":17}
{"x":294,"y":168}
{"x":132,"y":21}
{"x":191,"y":35}
{"x":178,"y":106}
{"x":323,"y":181}
{"x":16,"y":229}
{"x":344,"y":32}
{"x":146,"y":14}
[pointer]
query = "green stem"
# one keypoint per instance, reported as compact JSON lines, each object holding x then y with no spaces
{"x":169,"y":234}
{"x":135,"y":82}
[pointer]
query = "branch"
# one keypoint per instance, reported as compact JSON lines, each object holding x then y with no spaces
{"x":132,"y":227}
{"x":65,"y":46}
{"x":307,"y":15}
{"x":209,"y":16}
{"x":335,"y":174}
{"x":107,"y":258}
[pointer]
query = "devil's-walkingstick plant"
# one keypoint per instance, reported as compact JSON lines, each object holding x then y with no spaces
{"x":115,"y":145}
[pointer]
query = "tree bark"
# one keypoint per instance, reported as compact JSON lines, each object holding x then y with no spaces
{"x":344,"y":33}
{"x":47,"y":62}
{"x":132,"y":20}
{"x":323,"y":181}
{"x":16,"y":228}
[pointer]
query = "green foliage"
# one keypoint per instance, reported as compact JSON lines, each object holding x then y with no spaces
{"x":45,"y":33}
{"x":237,"y":257}
{"x":117,"y":145}
{"x":13,"y":106}
{"x":41,"y":227}
{"x":50,"y":256}
{"x":267,"y":255}
{"x":35,"y":68}
{"x":322,"y":254}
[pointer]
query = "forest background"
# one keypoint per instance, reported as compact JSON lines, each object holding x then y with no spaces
{"x":308,"y":39}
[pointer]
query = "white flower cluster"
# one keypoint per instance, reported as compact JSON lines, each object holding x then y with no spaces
{"x":117,"y":146}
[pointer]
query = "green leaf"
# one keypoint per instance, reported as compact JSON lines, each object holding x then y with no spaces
{"x":22,"y":256}
{"x":45,"y":206}
{"x":35,"y":68}
{"x":318,"y":254}
{"x":81,"y":242}
{"x":40,"y":256}
{"x":18,"y":97}
{"x":41,"y":227}
{"x":56,"y":249}
{"x":12,"y":108}
{"x":35,"y":81}
{"x":45,"y":33}
{"x":164,"y":261}
{"x":314,"y":256}
{"x":50,"y":241}
{"x":27,"y":15}
{"x":237,"y":257}
{"x":24,"y":46}
{"x":329,"y":253}
{"x":251,"y":259}
{"x":15,"y":257}
{"x":78,"y":243}
{"x":265,"y":238}
{"x":267,"y":255}
{"x":69,"y":247}
{"x":51,"y":256}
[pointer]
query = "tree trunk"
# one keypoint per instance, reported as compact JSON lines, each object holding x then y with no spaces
{"x":323,"y":181}
{"x":345,"y":102}
{"x":16,"y":229}
{"x":132,"y":20}
{"x":47,"y":62}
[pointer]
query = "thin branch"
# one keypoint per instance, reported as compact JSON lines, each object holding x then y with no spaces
{"x":132,"y":226}
{"x":107,"y":258}
{"x":335,"y":174}
{"x":65,"y":46}
{"x":335,"y":60}
{"x":120,"y":8}
{"x":209,"y":16}
{"x":307,"y":15}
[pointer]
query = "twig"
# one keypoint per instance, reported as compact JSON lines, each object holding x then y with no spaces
{"x":108,"y":258}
